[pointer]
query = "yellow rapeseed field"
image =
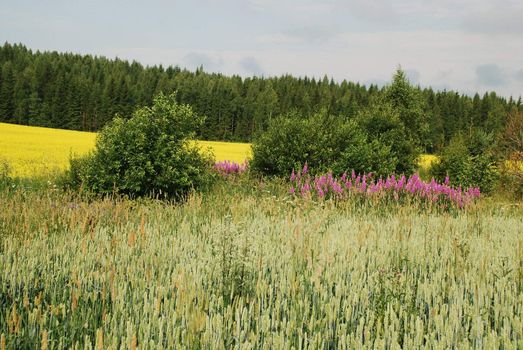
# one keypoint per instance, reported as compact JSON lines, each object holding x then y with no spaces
{"x":233,"y":151}
{"x":33,"y":150}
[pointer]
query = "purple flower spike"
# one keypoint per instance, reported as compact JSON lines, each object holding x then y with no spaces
{"x":325,"y":186}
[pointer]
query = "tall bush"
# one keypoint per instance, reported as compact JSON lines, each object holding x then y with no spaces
{"x":324,"y":142}
{"x":148,"y":154}
{"x":469,"y":161}
{"x":511,"y":151}
{"x":383,"y":125}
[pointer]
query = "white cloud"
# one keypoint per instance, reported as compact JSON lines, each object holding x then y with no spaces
{"x":251,"y":66}
{"x":442,"y":43}
{"x":505,"y":17}
{"x":197,"y":59}
{"x":491,"y":75}
{"x":413,"y":75}
{"x":519,"y":76}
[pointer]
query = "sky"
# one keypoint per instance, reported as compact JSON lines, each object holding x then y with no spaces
{"x":464,"y":45}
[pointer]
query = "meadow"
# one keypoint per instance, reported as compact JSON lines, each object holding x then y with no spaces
{"x":254,"y":267}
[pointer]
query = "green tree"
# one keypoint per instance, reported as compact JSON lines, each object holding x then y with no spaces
{"x":147,"y":154}
{"x":7,"y":109}
{"x":407,"y":102}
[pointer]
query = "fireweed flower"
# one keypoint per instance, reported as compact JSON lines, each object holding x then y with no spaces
{"x":327,"y":185}
{"x":226,"y":167}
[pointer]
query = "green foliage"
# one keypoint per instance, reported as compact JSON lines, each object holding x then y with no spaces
{"x":355,"y":150}
{"x":469,"y":162}
{"x":511,"y":151}
{"x":72,"y":177}
{"x":148,"y":154}
{"x":407,"y":103}
{"x":290,"y":141}
{"x":64,"y":90}
{"x":324,"y":142}
{"x":383,"y":124}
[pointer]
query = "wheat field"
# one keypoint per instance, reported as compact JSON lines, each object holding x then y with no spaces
{"x":259,"y":270}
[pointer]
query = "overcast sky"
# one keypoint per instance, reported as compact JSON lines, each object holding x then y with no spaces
{"x":464,"y":45}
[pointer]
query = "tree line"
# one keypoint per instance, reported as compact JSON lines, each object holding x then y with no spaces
{"x":85,"y":92}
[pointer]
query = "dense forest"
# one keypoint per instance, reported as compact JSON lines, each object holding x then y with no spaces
{"x":84,"y":92}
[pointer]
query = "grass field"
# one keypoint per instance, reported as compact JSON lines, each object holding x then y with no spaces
{"x":253,"y":268}
{"x":33,"y":150}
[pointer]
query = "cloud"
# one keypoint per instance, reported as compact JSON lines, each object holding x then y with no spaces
{"x":302,"y":34}
{"x":312,"y":33}
{"x":252,"y":66}
{"x":505,"y":18}
{"x":519,"y":75}
{"x":490,"y":75}
{"x":197,"y":59}
{"x":413,"y":76}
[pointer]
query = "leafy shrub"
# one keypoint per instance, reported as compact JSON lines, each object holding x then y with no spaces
{"x":73,"y":177}
{"x":354,"y":149}
{"x":511,"y":151}
{"x":384,"y":138}
{"x":289,"y":142}
{"x":148,"y":154}
{"x":375,"y":141}
{"x":469,"y":162}
{"x":381,"y":121}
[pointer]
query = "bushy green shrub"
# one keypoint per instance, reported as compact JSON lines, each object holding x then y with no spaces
{"x":354,"y":149}
{"x":469,"y":162}
{"x":148,"y":154}
{"x":382,"y":123}
{"x":288,"y":143}
{"x":511,"y":151}
{"x":72,"y":178}
{"x":324,"y":142}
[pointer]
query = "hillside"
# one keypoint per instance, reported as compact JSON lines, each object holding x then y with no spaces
{"x":70,"y":91}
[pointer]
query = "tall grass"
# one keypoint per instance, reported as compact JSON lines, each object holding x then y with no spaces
{"x":256,"y":269}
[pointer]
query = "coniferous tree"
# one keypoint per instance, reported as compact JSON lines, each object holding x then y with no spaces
{"x":85,"y":92}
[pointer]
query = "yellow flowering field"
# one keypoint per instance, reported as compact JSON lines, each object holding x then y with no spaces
{"x":233,"y":151}
{"x":33,"y":150}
